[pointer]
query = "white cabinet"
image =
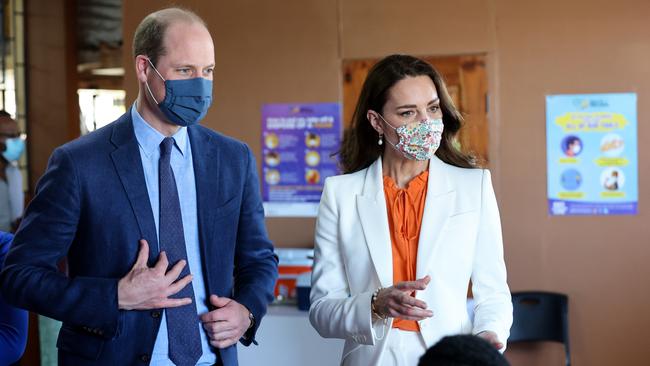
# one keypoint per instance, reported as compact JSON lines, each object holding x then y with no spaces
{"x":286,"y":338}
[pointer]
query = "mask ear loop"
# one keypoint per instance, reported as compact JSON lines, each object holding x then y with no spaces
{"x":154,"y":69}
{"x":389,"y":125}
{"x":146,"y":83}
{"x":394,"y":146}
{"x":386,"y":122}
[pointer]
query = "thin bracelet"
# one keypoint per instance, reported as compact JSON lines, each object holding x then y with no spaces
{"x":372,"y":304}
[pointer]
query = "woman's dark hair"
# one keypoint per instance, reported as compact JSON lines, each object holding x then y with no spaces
{"x":359,"y":147}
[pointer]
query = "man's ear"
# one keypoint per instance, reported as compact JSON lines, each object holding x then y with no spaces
{"x":141,"y":66}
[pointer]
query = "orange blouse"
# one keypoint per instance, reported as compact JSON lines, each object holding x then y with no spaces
{"x":405,"y":207}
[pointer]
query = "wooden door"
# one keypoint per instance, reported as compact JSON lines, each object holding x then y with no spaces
{"x":466,"y":80}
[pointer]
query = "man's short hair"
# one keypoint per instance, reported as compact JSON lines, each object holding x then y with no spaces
{"x":4,"y":113}
{"x":150,"y":34}
{"x":463,"y":350}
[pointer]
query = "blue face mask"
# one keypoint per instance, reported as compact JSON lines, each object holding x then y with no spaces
{"x":186,"y":101}
{"x":15,"y":147}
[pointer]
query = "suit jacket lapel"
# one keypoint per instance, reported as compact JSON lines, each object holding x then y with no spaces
{"x":438,"y":205}
{"x":371,"y":206}
{"x":205,"y":158}
{"x":127,"y":162}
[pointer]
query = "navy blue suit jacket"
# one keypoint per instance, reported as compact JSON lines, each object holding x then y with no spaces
{"x":91,"y":205}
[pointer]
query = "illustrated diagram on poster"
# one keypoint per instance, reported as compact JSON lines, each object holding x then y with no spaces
{"x":298,"y":141}
{"x":591,"y":150}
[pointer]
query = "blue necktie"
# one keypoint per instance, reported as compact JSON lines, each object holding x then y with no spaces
{"x":182,"y":322}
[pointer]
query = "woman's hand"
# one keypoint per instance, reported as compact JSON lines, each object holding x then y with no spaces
{"x":492,"y":338}
{"x":398,"y":301}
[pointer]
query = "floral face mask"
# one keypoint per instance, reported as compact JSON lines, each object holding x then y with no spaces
{"x":418,"y":140}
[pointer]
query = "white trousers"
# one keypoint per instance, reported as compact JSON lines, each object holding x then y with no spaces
{"x":404,"y":348}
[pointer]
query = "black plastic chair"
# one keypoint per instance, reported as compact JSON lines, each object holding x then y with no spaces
{"x":541,"y":316}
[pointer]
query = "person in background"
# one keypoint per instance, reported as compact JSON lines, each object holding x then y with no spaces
{"x":400,"y":235}
{"x":462,"y":350}
{"x":160,"y":219}
{"x":13,"y":322}
{"x":12,"y":197}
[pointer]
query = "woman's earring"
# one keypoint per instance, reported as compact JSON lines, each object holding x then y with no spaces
{"x":381,"y":140}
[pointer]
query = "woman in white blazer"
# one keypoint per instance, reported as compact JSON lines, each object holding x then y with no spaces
{"x":402,"y":132}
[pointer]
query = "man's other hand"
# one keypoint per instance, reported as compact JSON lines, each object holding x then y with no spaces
{"x":227,"y":323}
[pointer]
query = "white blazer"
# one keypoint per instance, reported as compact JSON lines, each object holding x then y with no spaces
{"x":460,"y":239}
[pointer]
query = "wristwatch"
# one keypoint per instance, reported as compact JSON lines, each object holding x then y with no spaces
{"x":251,"y":317}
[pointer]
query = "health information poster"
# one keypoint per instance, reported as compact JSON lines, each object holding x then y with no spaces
{"x":297,"y":143}
{"x":591,"y":150}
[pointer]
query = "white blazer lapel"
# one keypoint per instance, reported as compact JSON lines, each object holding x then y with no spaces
{"x":371,"y":206}
{"x":438,"y":205}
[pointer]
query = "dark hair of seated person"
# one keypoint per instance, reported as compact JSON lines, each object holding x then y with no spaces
{"x":462,"y":350}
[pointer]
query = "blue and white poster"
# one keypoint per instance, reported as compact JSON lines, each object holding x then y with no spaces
{"x":591,"y":151}
{"x":298,"y":141}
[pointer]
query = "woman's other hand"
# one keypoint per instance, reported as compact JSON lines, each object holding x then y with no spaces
{"x":492,"y":338}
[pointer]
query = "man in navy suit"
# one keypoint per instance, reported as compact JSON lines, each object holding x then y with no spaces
{"x":160,"y":219}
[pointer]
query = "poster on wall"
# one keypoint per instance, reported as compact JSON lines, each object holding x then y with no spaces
{"x":297,"y":143}
{"x":591,"y":151}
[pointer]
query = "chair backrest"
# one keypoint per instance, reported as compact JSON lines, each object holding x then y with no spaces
{"x":540,"y":316}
